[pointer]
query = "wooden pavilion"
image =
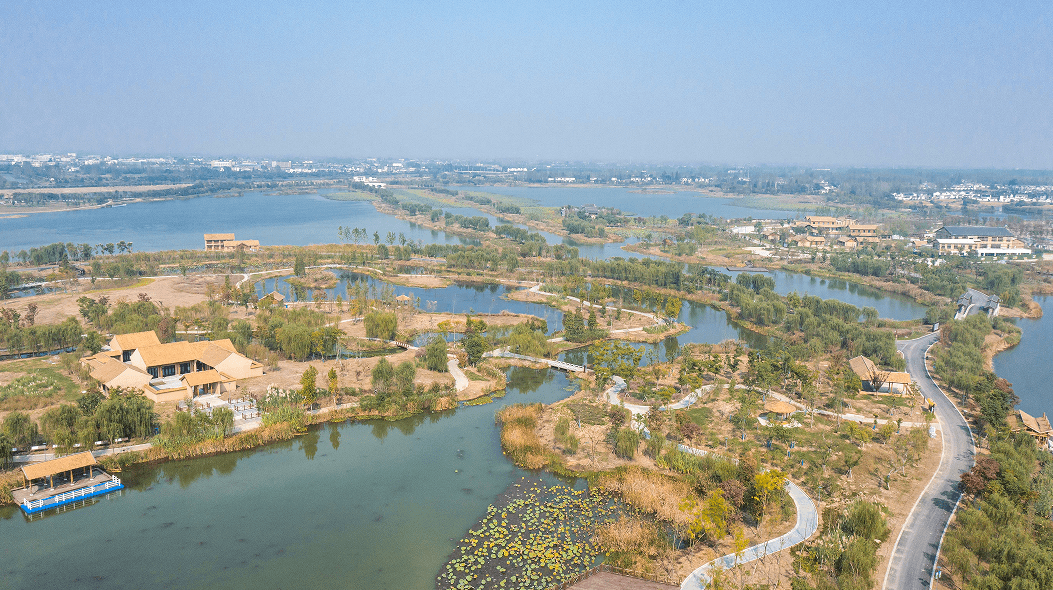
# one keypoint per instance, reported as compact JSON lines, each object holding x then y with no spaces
{"x":71,"y":466}
{"x":781,"y":408}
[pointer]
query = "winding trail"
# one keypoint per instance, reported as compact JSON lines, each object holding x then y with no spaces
{"x":807,"y":524}
{"x":918,"y":545}
{"x":807,"y":513}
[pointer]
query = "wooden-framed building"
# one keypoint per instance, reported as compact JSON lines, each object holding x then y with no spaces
{"x":877,"y":379}
{"x":1039,"y":428}
{"x":70,"y":466}
{"x":172,"y":371}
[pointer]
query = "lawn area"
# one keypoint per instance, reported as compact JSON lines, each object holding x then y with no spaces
{"x":38,"y":383}
{"x":700,"y":416}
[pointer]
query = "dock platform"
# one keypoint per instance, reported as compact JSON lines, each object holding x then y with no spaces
{"x":62,"y":481}
{"x":38,"y":498}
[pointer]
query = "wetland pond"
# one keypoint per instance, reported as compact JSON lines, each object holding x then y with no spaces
{"x":356,"y":505}
{"x":368,"y":505}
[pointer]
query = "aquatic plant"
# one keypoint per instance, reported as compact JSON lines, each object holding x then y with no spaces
{"x":536,"y":537}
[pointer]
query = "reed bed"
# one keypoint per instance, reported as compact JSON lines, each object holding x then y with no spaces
{"x":519,"y":438}
{"x":650,"y":492}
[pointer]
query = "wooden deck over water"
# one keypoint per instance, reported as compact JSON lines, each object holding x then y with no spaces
{"x":39,"y":492}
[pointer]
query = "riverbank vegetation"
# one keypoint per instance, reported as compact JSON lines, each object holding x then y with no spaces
{"x":1000,"y":537}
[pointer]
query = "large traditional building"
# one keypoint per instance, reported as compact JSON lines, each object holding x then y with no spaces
{"x":227,"y":243}
{"x":1039,"y":428}
{"x":842,"y":232}
{"x":173,"y":371}
{"x":984,"y":241}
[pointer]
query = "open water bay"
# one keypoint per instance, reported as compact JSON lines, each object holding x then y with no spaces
{"x":296,"y":220}
{"x":352,"y":505}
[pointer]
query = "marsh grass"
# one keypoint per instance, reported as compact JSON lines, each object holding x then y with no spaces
{"x":519,"y":438}
{"x":630,"y":542}
{"x":649,"y":492}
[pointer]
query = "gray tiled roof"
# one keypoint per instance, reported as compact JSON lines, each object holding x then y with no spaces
{"x":976,"y":230}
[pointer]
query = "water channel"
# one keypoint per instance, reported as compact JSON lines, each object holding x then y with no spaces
{"x":1023,"y":366}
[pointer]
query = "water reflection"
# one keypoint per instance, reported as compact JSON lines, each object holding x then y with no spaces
{"x":309,"y":443}
{"x":334,"y":436}
{"x":526,"y":380}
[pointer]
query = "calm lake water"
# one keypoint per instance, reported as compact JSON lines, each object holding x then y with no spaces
{"x":1027,"y":365}
{"x":367,"y":505}
{"x":181,"y":224}
{"x":456,"y":298}
{"x":891,"y":306}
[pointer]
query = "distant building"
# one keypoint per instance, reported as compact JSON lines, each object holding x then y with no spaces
{"x":841,"y":232}
{"x":822,"y":223}
{"x":982,"y":240}
{"x":227,"y":243}
{"x":173,"y":371}
{"x":862,"y":232}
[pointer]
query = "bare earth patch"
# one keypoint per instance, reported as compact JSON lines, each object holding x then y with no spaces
{"x":168,"y":291}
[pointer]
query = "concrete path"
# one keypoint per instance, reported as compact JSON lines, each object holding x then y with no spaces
{"x":38,"y":457}
{"x":460,"y":380}
{"x":918,"y":545}
{"x":611,"y":581}
{"x":807,"y":524}
{"x":851,"y":417}
{"x":537,"y":289}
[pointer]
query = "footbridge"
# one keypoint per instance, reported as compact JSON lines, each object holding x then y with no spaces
{"x":555,"y":364}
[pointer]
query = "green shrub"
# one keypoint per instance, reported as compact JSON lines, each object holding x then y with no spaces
{"x":655,"y":444}
{"x":625,"y":442}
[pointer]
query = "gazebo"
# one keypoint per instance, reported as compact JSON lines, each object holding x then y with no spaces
{"x":403,"y":298}
{"x":783,"y":409}
{"x":70,"y":466}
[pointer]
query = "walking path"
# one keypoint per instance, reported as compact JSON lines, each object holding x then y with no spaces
{"x":807,"y":524}
{"x":851,"y":417}
{"x":460,"y":380}
{"x":38,"y":457}
{"x":807,"y":514}
{"x":537,"y":289}
{"x":555,"y":364}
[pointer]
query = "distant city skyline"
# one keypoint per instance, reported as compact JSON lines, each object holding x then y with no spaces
{"x":941,"y":85}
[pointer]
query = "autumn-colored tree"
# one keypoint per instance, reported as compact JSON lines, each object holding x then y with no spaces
{"x":768,"y":483}
{"x":710,"y":516}
{"x":333,"y":384}
{"x":307,"y":385}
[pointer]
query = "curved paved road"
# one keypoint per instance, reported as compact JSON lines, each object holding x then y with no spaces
{"x":919,"y":542}
{"x":807,"y":524}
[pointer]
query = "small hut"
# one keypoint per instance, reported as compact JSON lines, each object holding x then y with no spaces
{"x":402,"y":299}
{"x":780,"y":408}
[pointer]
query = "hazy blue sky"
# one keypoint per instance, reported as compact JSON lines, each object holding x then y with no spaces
{"x":836,"y":83}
